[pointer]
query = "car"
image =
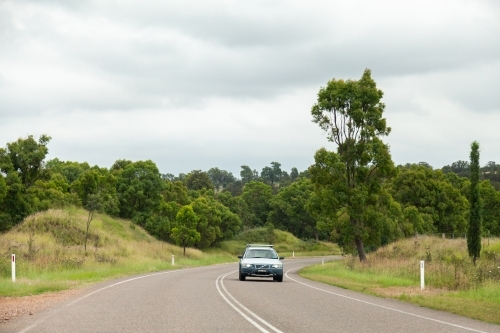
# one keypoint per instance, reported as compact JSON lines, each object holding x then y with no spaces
{"x":262,"y":261}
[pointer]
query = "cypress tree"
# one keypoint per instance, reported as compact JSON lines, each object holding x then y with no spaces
{"x":476,"y":209}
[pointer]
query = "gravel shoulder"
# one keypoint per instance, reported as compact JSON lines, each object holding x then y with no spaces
{"x":15,"y":307}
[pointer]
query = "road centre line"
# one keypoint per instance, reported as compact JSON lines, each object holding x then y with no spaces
{"x":382,"y":306}
{"x":250,"y":320}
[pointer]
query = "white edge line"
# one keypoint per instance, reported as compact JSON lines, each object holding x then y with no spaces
{"x":382,"y":306}
{"x":250,"y":320}
{"x":245,"y":308}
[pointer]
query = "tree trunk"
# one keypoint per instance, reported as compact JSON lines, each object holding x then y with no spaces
{"x":89,"y":219}
{"x":360,"y":248}
{"x":358,"y":240}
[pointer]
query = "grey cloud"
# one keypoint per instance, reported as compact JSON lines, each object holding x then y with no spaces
{"x":189,"y":53}
{"x":244,"y":57}
{"x":236,"y":24}
{"x":474,"y":88}
{"x":66,"y":4}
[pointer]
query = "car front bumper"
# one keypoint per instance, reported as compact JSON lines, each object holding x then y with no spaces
{"x":261,"y":272}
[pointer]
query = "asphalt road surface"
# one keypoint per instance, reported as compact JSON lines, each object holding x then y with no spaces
{"x":212,"y":299}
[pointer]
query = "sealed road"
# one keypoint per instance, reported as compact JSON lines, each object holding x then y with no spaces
{"x":212,"y":299}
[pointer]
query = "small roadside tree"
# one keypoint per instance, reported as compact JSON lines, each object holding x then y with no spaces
{"x":92,"y":205}
{"x":96,"y":190}
{"x":476,"y":207}
{"x":184,"y":233}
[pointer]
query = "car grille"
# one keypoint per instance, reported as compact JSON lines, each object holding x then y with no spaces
{"x":262,"y":266}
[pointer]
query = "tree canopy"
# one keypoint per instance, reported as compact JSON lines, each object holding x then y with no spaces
{"x":139,"y":189}
{"x":352,"y":192}
{"x":257,"y":196}
{"x":288,"y":210}
{"x":442,"y":206}
{"x":197,"y":180}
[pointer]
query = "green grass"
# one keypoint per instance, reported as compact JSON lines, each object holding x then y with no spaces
{"x":351,"y":279}
{"x":481,"y":303}
{"x":25,"y":287}
{"x":453,"y":283}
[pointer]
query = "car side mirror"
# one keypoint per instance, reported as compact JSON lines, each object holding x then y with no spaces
{"x":281,"y":258}
{"x":240,"y":257}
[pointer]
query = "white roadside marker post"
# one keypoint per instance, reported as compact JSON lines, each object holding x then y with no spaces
{"x":173,"y":262}
{"x":293,"y":254}
{"x":422,"y":279}
{"x":13,"y":268}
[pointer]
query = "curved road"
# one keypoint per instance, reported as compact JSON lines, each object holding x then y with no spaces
{"x":212,"y":299}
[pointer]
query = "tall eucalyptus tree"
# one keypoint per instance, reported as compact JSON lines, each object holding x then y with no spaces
{"x":351,"y":112}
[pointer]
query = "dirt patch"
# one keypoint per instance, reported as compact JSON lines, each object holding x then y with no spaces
{"x":14,"y":307}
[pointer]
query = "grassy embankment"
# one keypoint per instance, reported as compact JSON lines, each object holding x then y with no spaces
{"x":452,"y":282}
{"x":50,"y":255}
{"x":284,"y":243}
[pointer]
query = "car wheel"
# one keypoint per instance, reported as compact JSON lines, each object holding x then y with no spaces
{"x":279,"y":278}
{"x":242,"y":277}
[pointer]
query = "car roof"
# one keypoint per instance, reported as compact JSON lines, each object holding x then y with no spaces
{"x":260,"y":248}
{"x":260,"y":245}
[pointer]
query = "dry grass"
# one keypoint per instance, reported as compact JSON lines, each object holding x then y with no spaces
{"x":50,"y":254}
{"x":56,"y":237}
{"x":452,"y":282}
{"x":447,"y":264}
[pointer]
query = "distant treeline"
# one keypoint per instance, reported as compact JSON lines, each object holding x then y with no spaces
{"x":491,"y":171}
{"x":202,"y":208}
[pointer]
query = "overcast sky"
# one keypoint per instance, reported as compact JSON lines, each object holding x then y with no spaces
{"x":198,"y":84}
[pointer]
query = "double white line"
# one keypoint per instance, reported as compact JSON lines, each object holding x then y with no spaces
{"x":241,"y":309}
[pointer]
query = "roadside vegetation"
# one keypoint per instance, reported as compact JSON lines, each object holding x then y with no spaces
{"x":284,"y":243}
{"x":50,"y":252}
{"x":452,"y":282}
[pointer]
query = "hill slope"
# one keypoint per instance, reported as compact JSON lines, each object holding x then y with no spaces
{"x":50,"y":254}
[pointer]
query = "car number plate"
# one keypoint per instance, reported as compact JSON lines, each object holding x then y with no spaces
{"x":262,"y":271}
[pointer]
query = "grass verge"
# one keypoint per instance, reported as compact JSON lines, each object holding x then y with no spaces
{"x":452,"y":283}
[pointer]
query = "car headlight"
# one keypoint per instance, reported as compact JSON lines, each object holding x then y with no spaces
{"x":246,"y":265}
{"x":277,"y":266}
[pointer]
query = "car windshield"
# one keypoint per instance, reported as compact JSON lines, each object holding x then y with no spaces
{"x":258,"y":253}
